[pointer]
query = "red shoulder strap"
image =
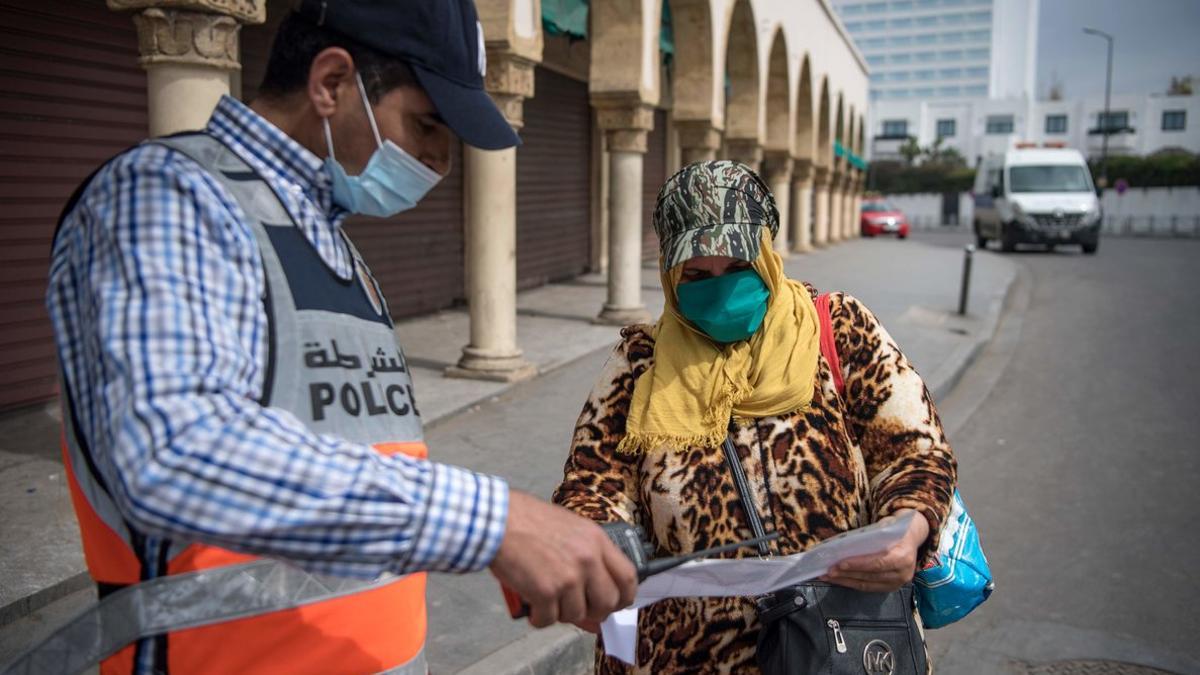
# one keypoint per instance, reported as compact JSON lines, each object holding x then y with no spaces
{"x":828,"y":345}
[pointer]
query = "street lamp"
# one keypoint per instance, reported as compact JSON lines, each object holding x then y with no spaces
{"x":1107,"y":96}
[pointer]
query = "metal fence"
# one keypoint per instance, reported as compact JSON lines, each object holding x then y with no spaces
{"x":1178,"y":226}
{"x":1173,"y":226}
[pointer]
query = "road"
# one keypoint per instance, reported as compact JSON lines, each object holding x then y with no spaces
{"x":1078,"y":441}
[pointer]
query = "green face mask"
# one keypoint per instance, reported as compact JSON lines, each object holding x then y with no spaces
{"x":727,"y":308}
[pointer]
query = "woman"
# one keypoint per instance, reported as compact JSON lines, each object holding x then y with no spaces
{"x":737,"y":352}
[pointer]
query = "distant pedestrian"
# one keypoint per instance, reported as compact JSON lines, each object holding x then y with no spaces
{"x":737,"y":353}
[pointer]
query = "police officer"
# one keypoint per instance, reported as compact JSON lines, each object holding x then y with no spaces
{"x":232,"y":383}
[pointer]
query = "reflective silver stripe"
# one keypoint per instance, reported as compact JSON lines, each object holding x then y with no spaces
{"x":415,"y":666}
{"x":100,"y":501}
{"x":182,"y":601}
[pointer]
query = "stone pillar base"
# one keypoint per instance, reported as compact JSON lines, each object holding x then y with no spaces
{"x":477,"y":364}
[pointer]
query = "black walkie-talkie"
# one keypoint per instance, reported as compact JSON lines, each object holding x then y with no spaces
{"x":631,"y":540}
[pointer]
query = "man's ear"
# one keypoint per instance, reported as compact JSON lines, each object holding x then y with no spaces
{"x":331,"y":70}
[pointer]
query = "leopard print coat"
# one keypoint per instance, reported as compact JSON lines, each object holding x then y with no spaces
{"x":842,"y":464}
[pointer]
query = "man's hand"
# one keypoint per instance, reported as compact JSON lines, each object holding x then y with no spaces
{"x":887,"y":571}
{"x":563,"y":565}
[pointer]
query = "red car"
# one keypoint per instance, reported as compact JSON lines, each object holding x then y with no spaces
{"x":880,"y":217}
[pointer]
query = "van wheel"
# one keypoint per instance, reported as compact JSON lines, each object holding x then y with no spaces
{"x":1091,"y":247}
{"x":980,"y":240}
{"x":1008,"y":239}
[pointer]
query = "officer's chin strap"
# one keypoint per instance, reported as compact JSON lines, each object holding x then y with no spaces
{"x":178,"y":602}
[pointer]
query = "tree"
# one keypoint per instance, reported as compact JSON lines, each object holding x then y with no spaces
{"x":1180,"y":86}
{"x":910,"y":150}
{"x":938,"y":155}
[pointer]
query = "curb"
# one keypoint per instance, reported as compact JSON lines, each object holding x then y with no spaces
{"x":963,"y":357}
{"x":558,"y":650}
{"x":23,"y":607}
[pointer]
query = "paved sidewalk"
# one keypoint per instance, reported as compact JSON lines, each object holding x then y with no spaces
{"x":518,"y":431}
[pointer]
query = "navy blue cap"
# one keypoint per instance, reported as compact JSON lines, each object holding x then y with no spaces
{"x":442,"y":41}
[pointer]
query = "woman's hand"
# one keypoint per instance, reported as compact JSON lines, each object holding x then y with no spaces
{"x":887,"y":571}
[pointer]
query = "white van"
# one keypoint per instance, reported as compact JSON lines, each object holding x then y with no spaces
{"x":1036,"y":196}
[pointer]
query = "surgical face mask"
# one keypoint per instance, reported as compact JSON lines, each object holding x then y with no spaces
{"x":393,"y":181}
{"x":727,"y":308}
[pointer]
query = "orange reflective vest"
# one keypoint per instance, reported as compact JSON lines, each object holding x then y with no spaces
{"x":378,"y":629}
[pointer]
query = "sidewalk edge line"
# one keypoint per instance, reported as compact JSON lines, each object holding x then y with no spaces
{"x":994,"y":314}
{"x":559,"y":650}
{"x":25,"y":606}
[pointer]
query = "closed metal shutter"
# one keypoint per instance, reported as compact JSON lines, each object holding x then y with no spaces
{"x":417,"y":256}
{"x":654,"y":174}
{"x":554,"y":182}
{"x":73,"y":96}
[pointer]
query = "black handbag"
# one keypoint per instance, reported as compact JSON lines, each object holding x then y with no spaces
{"x":817,"y":627}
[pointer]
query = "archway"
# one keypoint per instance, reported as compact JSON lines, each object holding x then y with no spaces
{"x":743,"y":132}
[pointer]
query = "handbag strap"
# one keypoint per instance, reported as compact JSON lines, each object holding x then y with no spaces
{"x":743,"y":488}
{"x":829,"y":351}
{"x":828,"y":344}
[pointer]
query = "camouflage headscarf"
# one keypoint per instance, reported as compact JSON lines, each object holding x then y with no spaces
{"x":713,"y":208}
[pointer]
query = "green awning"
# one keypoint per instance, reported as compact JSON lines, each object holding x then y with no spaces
{"x":570,"y":18}
{"x":666,"y":36}
{"x":852,"y":159}
{"x":565,"y":17}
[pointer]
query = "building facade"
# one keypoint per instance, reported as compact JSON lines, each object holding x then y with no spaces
{"x":605,"y":116}
{"x":1138,"y":125}
{"x":921,"y":50}
{"x":965,"y":71}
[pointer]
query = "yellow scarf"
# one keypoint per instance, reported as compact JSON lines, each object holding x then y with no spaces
{"x":687,"y":397}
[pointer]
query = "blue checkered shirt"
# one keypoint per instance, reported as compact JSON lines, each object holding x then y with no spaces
{"x":155,"y":294}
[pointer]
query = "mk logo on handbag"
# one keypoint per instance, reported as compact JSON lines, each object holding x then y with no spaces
{"x":878,"y":658}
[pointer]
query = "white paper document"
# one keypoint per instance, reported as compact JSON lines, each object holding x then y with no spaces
{"x":746,"y":577}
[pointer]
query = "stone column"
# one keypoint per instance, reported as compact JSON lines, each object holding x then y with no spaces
{"x":821,"y":181}
{"x":801,"y":220}
{"x":858,"y":199}
{"x":698,"y":141}
{"x":843,"y":212}
{"x":491,"y":237}
{"x":189,"y":49}
{"x":745,"y":150}
{"x":778,"y":168}
{"x":853,"y":227}
{"x":626,"y":126}
{"x":836,"y":185}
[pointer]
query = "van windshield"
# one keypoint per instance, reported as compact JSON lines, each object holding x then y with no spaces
{"x":1049,"y":178}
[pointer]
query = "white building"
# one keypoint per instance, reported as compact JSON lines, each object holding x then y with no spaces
{"x":923,"y":50}
{"x":965,"y":71}
{"x":1142,"y":125}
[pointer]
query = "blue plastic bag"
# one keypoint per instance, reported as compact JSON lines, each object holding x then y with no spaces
{"x":961,"y":580}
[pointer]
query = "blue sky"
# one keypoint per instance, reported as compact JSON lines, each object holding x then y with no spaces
{"x":1155,"y":39}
